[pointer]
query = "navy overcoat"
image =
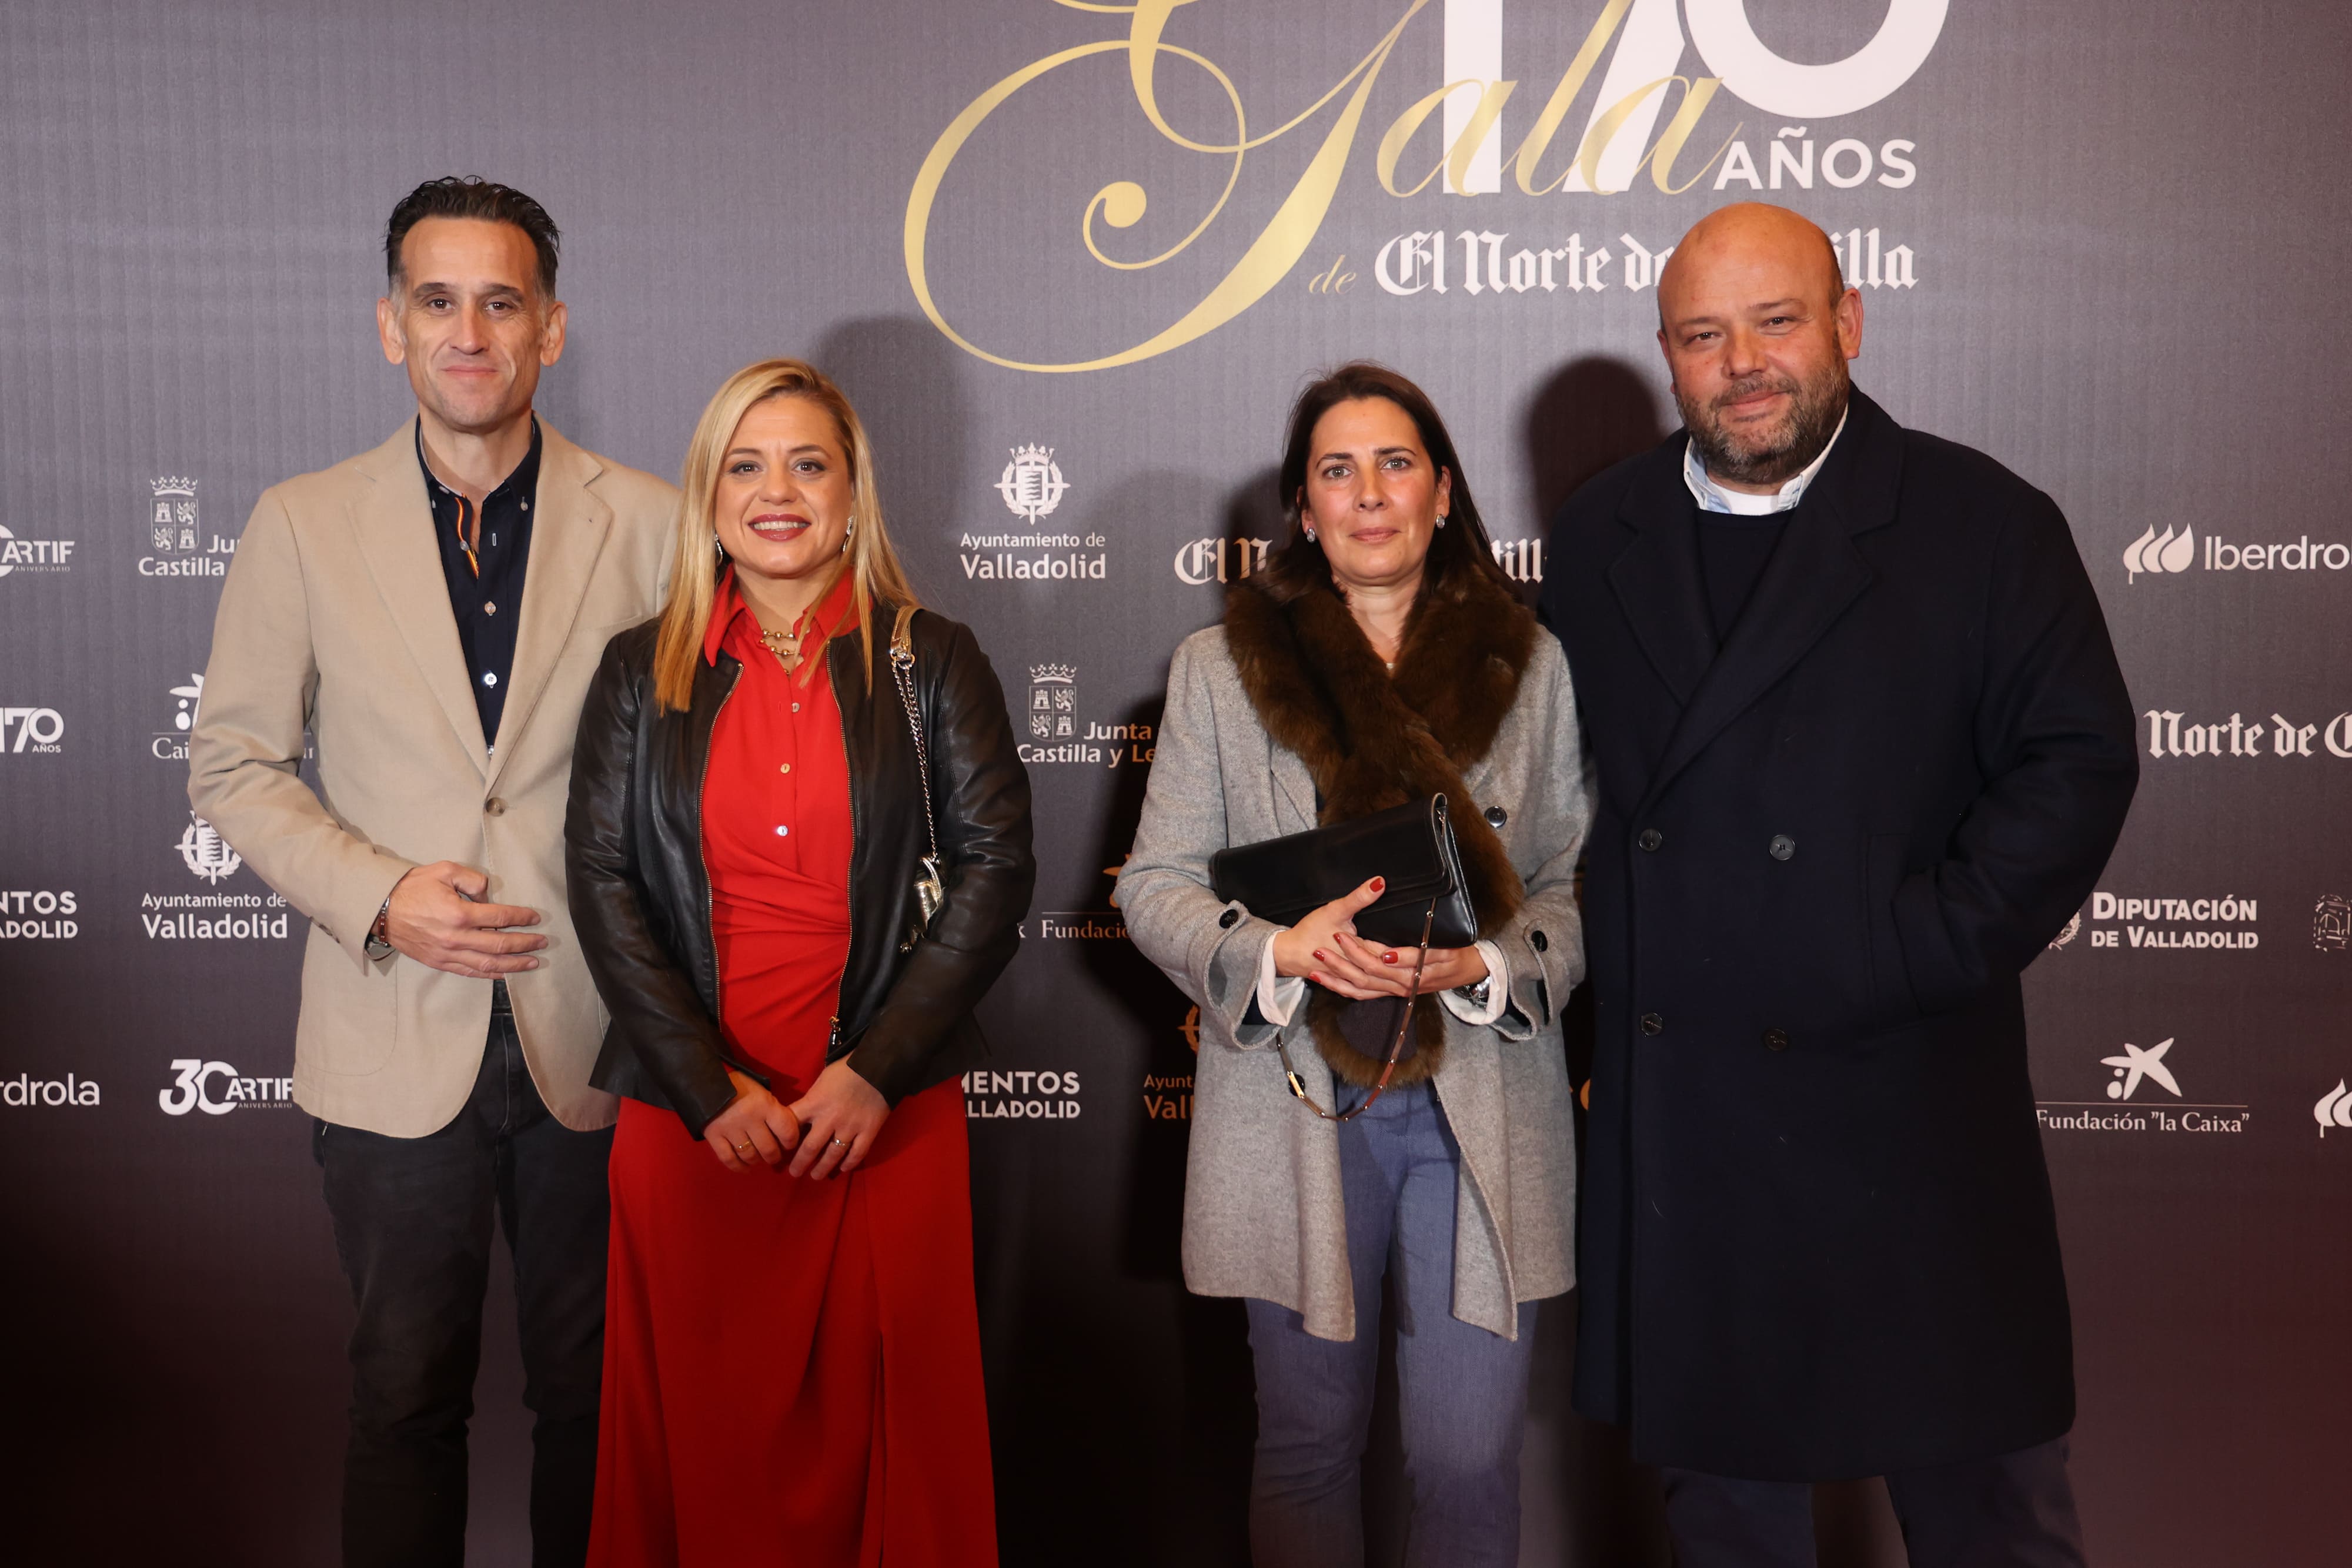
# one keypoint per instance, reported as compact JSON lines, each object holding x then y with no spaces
{"x":1816,"y":1237}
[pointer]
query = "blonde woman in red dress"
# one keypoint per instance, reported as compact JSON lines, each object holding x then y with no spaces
{"x":792,"y":1352}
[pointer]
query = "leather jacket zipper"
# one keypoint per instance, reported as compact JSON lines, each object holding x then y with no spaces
{"x":849,"y":768}
{"x":702,"y":849}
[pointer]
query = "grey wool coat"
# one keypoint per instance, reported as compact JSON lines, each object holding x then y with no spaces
{"x":1263,"y":1215}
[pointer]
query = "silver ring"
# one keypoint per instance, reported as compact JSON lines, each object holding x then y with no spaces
{"x":842,"y":1143}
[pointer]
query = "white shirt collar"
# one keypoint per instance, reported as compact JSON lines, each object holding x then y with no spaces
{"x":1713,"y":497}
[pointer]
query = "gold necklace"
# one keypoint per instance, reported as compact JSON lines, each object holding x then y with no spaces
{"x":784,"y":645}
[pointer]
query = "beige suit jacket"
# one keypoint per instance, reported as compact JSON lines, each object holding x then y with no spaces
{"x":335,"y":616}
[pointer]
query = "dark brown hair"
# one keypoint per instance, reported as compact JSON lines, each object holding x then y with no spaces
{"x":471,"y":196}
{"x":1459,"y":546}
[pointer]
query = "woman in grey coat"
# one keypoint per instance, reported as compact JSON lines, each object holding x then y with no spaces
{"x":1379,"y":658}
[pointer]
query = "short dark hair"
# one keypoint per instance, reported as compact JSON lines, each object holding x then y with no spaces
{"x":1463,"y":546}
{"x":471,"y":196}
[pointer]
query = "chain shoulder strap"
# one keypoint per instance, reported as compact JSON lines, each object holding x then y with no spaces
{"x":902,"y":674}
{"x":930,"y":886}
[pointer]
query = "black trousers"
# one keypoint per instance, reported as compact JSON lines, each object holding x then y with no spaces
{"x":2013,"y":1510}
{"x":412,"y":1219}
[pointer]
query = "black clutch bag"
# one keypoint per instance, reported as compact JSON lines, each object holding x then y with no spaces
{"x":1411,"y":845}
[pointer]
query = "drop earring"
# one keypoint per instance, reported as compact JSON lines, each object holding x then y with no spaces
{"x":716,"y":547}
{"x":849,"y":534}
{"x":1441,"y":519}
{"x":1310,"y":534}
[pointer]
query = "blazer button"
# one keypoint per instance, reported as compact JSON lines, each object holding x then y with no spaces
{"x":1537,"y":940}
{"x":1781,"y":847}
{"x":1230,"y":918}
{"x":1496,"y":816}
{"x":1652,"y":1024}
{"x":1651,"y":839}
{"x":1777,"y":1039}
{"x":494,"y":807}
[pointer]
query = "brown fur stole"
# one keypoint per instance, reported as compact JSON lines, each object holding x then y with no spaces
{"x":1371,"y":741}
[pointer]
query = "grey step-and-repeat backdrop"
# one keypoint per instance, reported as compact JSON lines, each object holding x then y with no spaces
{"x":1073,"y":260}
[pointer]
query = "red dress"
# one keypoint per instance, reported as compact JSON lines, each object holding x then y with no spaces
{"x":792,"y":1367}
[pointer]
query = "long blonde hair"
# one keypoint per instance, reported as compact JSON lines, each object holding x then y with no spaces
{"x":695,"y":565}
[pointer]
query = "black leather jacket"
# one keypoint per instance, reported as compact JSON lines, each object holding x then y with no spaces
{"x":640,"y":894}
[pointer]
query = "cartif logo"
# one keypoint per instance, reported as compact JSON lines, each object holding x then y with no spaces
{"x":37,"y":729}
{"x":1032,"y":485}
{"x":33,"y":555}
{"x":2161,"y":553}
{"x":2331,"y":923}
{"x":2334,"y":1110}
{"x":208,"y":854}
{"x":191,"y":1089}
{"x":2136,"y":1064}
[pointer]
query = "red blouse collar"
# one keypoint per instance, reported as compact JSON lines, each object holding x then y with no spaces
{"x":833,"y":616}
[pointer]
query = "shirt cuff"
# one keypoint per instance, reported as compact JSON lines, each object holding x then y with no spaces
{"x":1498,"y":985}
{"x":1278,"y":995}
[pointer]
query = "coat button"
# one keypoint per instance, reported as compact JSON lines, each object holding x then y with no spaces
{"x":1777,"y":1039}
{"x":494,"y":807}
{"x":1496,"y":816}
{"x":1230,"y":918}
{"x":1652,"y":1024}
{"x":1651,"y":839}
{"x":1781,"y":847}
{"x":1537,"y":940}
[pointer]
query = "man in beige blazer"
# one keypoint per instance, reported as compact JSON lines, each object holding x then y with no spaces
{"x":431,"y":612}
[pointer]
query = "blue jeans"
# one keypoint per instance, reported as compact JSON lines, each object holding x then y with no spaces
{"x":1463,"y":1392}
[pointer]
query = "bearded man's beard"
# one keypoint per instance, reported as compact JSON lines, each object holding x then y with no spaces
{"x":1775,"y":453}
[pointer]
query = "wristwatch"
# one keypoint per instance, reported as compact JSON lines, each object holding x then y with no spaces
{"x":379,"y":941}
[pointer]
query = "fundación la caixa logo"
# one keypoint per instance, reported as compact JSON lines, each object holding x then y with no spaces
{"x":2169,"y":554}
{"x":2164,"y":1108}
{"x":188,"y":700}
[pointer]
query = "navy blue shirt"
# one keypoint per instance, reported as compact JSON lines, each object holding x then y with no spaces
{"x":485,"y":571}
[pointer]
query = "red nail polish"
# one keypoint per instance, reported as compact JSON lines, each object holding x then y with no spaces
{"x":1380,"y":884}
{"x":1388,"y":957}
